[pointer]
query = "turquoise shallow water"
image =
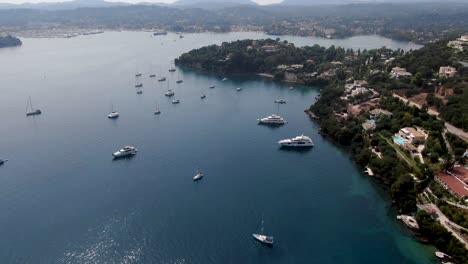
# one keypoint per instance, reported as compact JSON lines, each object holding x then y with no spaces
{"x":64,"y":200}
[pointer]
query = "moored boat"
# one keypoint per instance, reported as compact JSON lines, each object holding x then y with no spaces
{"x":273,"y":120}
{"x":30,"y":111}
{"x":125,"y":152}
{"x":297,"y":142}
{"x":198,"y":176}
{"x":280,"y":101}
{"x":113,"y":115}
{"x":169,"y":93}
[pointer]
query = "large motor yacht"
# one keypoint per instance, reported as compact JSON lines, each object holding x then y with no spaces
{"x":272,"y":119}
{"x":297,"y":142}
{"x":125,"y":151}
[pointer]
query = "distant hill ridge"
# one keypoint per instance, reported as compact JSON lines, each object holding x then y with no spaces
{"x":208,"y":4}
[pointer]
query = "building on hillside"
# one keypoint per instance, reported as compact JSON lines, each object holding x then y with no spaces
{"x":269,"y":48}
{"x":463,"y":38}
{"x":398,"y":72}
{"x":455,"y":180}
{"x":410,"y":135}
{"x":376,"y":113}
{"x":328,"y":74}
{"x":447,"y":72}
{"x":369,"y":125}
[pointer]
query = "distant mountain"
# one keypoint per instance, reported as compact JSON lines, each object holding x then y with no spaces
{"x":212,"y":4}
{"x":216,"y":2}
{"x":341,"y":2}
{"x":64,"y":5}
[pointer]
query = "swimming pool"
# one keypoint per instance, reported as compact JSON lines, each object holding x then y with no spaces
{"x":399,"y":140}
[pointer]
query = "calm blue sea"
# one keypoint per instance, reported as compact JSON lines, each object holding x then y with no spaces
{"x":64,"y":200}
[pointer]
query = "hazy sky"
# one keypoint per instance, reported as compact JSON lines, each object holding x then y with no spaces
{"x":262,"y":2}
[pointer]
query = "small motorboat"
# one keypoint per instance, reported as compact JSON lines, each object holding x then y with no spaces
{"x":157,"y":112}
{"x":139,"y":92}
{"x":113,"y":115}
{"x":198,"y":176}
{"x":224,"y":79}
{"x":203,"y":96}
{"x":239,"y":89}
{"x":280,"y":101}
{"x":2,"y":161}
{"x":176,"y":101}
{"x":179,"y":81}
{"x":138,"y":75}
{"x":291,"y":88}
{"x":152,"y":76}
{"x":169,"y":93}
{"x":212,"y":86}
{"x":162,"y":79}
{"x":138,"y":85}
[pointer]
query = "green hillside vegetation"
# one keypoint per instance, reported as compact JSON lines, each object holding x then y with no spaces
{"x":9,"y":41}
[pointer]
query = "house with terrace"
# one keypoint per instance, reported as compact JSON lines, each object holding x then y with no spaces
{"x":411,"y":139}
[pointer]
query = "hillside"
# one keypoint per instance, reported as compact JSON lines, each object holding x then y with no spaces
{"x":9,"y":41}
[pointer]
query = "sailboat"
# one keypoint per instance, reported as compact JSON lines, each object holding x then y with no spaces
{"x":179,"y":80}
{"x":2,"y":161}
{"x":172,"y":68}
{"x":114,"y":114}
{"x":162,"y":78}
{"x":169,"y":92}
{"x":30,"y":109}
{"x":268,"y":240}
{"x":157,"y":111}
{"x":137,"y":73}
{"x":152,"y":75}
{"x":138,"y":83}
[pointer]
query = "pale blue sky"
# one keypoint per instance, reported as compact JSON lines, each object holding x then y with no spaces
{"x":262,"y":2}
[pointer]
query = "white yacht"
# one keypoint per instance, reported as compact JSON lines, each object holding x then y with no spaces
{"x":297,"y":142}
{"x":280,"y":101}
{"x":272,"y":119}
{"x":169,"y":93}
{"x":268,"y":240}
{"x":125,"y":151}
{"x":198,"y":176}
{"x":176,"y":101}
{"x":264,"y":239}
{"x":113,"y":115}
{"x":409,"y":221}
{"x":212,"y":86}
{"x":239,"y":89}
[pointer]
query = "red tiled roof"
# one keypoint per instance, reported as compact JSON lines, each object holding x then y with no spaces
{"x":456,"y":183}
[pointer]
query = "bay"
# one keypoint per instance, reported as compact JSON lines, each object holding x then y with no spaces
{"x":64,"y":200}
